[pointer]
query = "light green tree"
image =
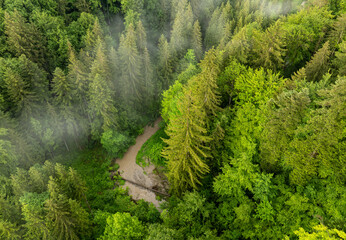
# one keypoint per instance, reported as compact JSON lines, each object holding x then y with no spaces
{"x":321,"y":232}
{"x":206,"y":82}
{"x":123,"y":226}
{"x":187,"y":150}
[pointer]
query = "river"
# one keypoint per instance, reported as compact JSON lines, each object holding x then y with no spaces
{"x":131,"y":171}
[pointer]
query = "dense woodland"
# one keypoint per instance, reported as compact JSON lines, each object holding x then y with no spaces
{"x":253,"y":99}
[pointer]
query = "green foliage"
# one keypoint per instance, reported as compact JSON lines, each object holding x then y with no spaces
{"x":182,"y":29}
{"x":8,"y":231}
{"x":123,"y":226}
{"x":150,"y":152}
{"x":185,"y":149}
{"x":79,"y":79}
{"x":318,"y":65}
{"x":116,"y":143}
{"x":8,"y":157}
{"x":302,"y":31}
{"x":191,"y":217}
{"x":292,"y":107}
{"x":165,"y":62}
{"x":227,"y":79}
{"x":322,"y":232}
{"x":158,"y":231}
{"x":256,"y":86}
{"x":93,"y":166}
{"x":340,"y":60}
{"x":170,"y":100}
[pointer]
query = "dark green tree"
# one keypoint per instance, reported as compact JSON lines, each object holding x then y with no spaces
{"x":165,"y":63}
{"x":131,"y":64}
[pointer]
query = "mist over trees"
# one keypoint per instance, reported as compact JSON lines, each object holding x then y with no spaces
{"x":252,"y":94}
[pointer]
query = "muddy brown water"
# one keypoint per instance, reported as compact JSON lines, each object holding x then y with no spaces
{"x":130,"y":170}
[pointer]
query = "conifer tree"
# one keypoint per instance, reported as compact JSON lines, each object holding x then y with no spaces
{"x":206,"y":82}
{"x":8,"y":230}
{"x":17,"y":89}
{"x":300,"y":75}
{"x":101,"y":105}
{"x":182,"y":29}
{"x":340,"y":59}
{"x":141,"y":37}
{"x":82,"y":5}
{"x":318,"y":65}
{"x":219,"y":28}
{"x":186,"y":150}
{"x":114,"y":66}
{"x":78,"y":76}
{"x":197,"y":40}
{"x":131,"y":78}
{"x":241,"y":44}
{"x":61,"y":88}
{"x":92,"y":37}
{"x":65,"y":218}
{"x":24,"y":38}
{"x":227,"y":33}
{"x":148,"y":77}
{"x":8,"y":157}
{"x":337,"y":34}
{"x":32,"y":205}
{"x":165,"y":67}
{"x":269,"y":48}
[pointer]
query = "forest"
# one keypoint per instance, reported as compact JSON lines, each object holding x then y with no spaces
{"x":252,"y":95}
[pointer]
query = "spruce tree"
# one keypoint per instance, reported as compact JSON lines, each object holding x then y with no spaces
{"x":206,"y":82}
{"x":318,"y":65}
{"x":268,"y":48}
{"x":182,"y":29}
{"x":65,"y":218}
{"x":340,"y":59}
{"x":92,"y":37}
{"x":62,"y":88}
{"x":32,"y":205}
{"x":148,"y":78}
{"x":131,"y":64}
{"x":25,"y":38}
{"x":17,"y":89}
{"x":101,"y":106}
{"x":78,"y":76}
{"x":9,"y":230}
{"x":186,"y":150}
{"x":337,"y":34}
{"x":165,"y":66}
{"x":114,"y":66}
{"x":196,"y":43}
{"x":141,"y":37}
